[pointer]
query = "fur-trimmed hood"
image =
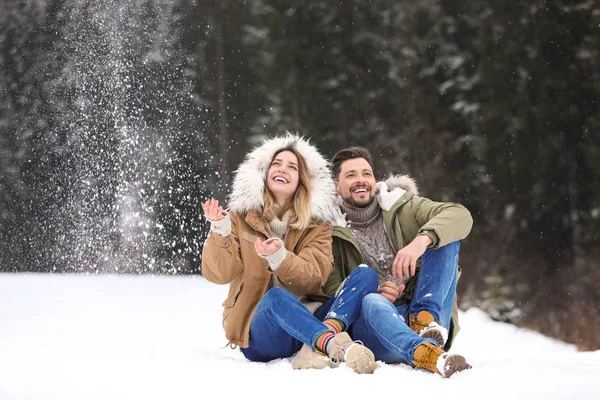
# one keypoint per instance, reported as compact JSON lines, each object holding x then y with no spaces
{"x":249,"y":180}
{"x":394,"y":186}
{"x":403,"y":182}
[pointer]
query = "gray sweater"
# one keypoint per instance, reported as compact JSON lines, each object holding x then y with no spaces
{"x":368,"y":228}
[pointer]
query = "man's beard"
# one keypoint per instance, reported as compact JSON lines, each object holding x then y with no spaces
{"x":351,"y":202}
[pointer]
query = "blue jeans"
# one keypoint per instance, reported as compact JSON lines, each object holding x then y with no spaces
{"x":383,"y":327}
{"x":281,"y":324}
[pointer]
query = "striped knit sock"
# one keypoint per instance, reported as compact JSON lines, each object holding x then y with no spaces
{"x":323,"y":342}
{"x":335,"y":325}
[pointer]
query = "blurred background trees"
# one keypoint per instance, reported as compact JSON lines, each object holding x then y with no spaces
{"x":118,"y":119}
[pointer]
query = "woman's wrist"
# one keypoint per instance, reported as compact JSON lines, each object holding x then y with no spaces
{"x":221,"y":227}
{"x":276,"y":259}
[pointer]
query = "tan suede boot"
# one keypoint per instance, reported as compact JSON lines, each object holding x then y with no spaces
{"x":308,"y":358}
{"x":436,"y":360}
{"x":426,"y":326}
{"x":354,"y":354}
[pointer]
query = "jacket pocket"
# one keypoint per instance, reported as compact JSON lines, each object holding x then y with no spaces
{"x":234,"y":292}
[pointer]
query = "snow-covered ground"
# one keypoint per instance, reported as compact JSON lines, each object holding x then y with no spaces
{"x":151,"y":337}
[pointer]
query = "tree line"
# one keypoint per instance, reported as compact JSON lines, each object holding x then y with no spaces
{"x":118,"y":119}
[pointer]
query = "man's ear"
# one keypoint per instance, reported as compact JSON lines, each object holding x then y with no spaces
{"x":337,"y":188}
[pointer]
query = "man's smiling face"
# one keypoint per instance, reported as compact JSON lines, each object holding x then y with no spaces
{"x":356,"y":183}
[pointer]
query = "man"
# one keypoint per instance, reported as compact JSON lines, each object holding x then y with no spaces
{"x":412,"y":243}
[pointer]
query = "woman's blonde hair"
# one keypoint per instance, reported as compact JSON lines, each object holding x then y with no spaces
{"x":300,"y":208}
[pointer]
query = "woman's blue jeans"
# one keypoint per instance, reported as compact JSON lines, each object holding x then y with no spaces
{"x":281,"y":324}
{"x":383,"y":327}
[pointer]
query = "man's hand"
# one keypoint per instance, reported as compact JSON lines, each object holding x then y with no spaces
{"x":213,"y":211}
{"x":390,"y":290}
{"x":405,"y":263}
{"x":267,"y":247}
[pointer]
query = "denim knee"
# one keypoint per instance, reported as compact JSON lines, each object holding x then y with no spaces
{"x":372,"y":300}
{"x":367,"y":277}
{"x":275,"y":295}
{"x":451,"y":248}
{"x":448,"y":254}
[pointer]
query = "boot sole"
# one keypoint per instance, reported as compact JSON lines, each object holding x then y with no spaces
{"x":455,"y":363}
{"x":369,"y":369}
{"x":362,"y":361}
{"x":435,"y":335}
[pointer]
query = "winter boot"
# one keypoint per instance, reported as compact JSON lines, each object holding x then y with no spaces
{"x":426,"y":326}
{"x":436,"y":360}
{"x":308,"y":358}
{"x":355,"y":354}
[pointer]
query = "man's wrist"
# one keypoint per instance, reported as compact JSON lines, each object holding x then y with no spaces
{"x":425,"y":238}
{"x":432,"y":243}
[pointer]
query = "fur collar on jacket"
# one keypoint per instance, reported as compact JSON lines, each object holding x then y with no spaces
{"x":249,"y":180}
{"x":403,"y":182}
{"x":390,"y":190}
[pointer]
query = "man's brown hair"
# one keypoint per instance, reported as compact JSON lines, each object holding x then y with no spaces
{"x":349,"y":154}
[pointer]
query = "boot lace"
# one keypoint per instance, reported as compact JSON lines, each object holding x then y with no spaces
{"x":429,"y":359}
{"x":416,"y":325}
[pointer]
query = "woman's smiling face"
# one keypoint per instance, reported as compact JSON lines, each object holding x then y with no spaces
{"x":282,"y":177}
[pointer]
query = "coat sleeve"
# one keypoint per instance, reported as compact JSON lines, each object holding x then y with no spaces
{"x":450,"y":221}
{"x":307,"y":271}
{"x":221,"y":260}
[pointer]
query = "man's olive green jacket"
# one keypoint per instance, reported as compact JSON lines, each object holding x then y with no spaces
{"x":405,"y":215}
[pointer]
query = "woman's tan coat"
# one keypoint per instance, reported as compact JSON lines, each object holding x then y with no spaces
{"x":233,"y":259}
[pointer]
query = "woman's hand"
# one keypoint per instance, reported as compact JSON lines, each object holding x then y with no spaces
{"x":213,"y":211}
{"x":267,"y":247}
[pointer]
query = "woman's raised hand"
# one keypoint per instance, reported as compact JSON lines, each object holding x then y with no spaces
{"x":267,"y":247}
{"x":213,"y":211}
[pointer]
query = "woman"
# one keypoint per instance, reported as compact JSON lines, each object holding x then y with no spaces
{"x":273,"y":247}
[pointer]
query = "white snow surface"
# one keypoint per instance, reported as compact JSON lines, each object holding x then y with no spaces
{"x":158,"y":337}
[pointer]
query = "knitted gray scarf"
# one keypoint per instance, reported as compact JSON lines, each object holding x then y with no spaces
{"x":368,"y":227}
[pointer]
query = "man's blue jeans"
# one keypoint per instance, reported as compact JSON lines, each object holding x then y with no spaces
{"x":383,"y":327}
{"x":281,"y":324}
